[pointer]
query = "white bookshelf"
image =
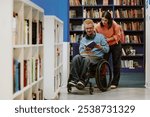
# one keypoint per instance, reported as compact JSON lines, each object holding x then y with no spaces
{"x":21,"y":64}
{"x":53,"y":56}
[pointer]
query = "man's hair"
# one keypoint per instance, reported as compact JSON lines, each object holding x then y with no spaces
{"x":88,"y":21}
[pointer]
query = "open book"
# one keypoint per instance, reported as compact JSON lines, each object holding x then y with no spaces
{"x":91,"y":44}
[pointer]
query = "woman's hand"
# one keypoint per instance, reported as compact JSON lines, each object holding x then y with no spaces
{"x":110,"y":39}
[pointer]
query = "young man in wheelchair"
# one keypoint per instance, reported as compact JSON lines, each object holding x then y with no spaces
{"x":92,"y":48}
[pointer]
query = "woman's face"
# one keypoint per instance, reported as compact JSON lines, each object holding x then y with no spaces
{"x":104,"y":21}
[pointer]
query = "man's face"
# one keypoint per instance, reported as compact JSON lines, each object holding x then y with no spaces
{"x":89,"y":28}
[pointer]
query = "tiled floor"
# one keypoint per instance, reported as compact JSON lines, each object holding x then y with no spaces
{"x":113,"y":94}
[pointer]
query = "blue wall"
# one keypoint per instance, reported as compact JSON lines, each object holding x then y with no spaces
{"x":59,"y":8}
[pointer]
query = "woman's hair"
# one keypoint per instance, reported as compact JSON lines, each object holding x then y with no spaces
{"x":107,"y":15}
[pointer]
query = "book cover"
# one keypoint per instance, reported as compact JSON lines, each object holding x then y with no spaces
{"x":34,"y":32}
{"x":17,"y":75}
{"x":91,"y":44}
{"x":25,"y":73}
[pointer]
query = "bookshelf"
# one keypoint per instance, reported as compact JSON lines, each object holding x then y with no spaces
{"x":22,"y":62}
{"x":53,"y":56}
{"x":130,"y":14}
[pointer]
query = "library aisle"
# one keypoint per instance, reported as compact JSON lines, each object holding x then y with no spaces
{"x":37,"y":51}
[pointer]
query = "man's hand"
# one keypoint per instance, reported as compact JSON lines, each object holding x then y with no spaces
{"x":87,"y":49}
{"x":98,"y":46}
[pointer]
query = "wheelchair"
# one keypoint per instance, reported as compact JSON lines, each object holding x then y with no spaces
{"x":101,"y":72}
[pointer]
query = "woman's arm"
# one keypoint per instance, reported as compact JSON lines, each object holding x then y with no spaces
{"x":117,"y":32}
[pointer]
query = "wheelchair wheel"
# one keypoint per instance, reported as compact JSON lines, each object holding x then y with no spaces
{"x":103,"y":75}
{"x":69,"y":89}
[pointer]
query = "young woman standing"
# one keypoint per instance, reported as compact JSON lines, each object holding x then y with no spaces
{"x":111,"y":30}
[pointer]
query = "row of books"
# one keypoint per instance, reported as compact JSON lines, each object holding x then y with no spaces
{"x":105,"y":2}
{"x":129,"y":2}
{"x":92,"y":13}
{"x":131,"y":64}
{"x":84,"y":2}
{"x":75,"y":38}
{"x":136,"y":39}
{"x":72,"y":14}
{"x":134,"y":26}
{"x":74,"y":2}
{"x":76,"y":27}
{"x":37,"y":35}
{"x":32,"y":71}
{"x":133,"y":39}
{"x":119,"y":13}
{"x":130,"y":13}
{"x":97,"y":13}
{"x":128,"y":51}
{"x":90,"y":2}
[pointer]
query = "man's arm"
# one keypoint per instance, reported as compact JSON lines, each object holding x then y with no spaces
{"x":103,"y":44}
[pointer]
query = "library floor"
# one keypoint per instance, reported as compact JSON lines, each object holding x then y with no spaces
{"x":113,"y":94}
{"x":129,"y":89}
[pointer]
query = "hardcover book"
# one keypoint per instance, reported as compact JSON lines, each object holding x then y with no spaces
{"x":91,"y":44}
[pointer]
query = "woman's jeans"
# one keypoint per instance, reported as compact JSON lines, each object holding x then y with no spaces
{"x":116,"y":52}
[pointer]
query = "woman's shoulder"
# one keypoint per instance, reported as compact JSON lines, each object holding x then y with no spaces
{"x":115,"y":24}
{"x":98,"y":27}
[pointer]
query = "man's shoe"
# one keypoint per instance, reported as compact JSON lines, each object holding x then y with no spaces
{"x":80,"y":85}
{"x":73,"y":83}
{"x":113,"y":86}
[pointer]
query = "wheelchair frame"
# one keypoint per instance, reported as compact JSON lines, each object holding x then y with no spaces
{"x":98,"y":78}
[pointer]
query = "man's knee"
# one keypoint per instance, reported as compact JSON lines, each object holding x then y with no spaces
{"x":76,"y":57}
